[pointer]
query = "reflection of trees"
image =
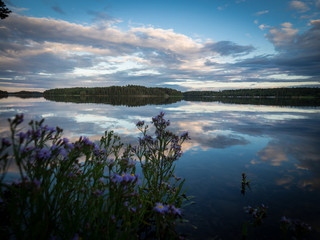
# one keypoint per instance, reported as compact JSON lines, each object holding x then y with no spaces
{"x":130,"y":101}
{"x":301,"y":102}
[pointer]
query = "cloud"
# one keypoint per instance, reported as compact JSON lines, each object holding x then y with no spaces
{"x":282,"y":36}
{"x":261,"y":12}
{"x":103,"y":17}
{"x":58,"y":9}
{"x":49,"y":52}
{"x":225,"y":48}
{"x":263,"y":26}
{"x":299,"y":6}
{"x":297,"y":57}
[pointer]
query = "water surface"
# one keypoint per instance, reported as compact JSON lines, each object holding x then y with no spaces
{"x":277,"y":147}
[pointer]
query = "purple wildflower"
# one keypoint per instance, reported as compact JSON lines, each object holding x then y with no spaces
{"x":125,"y":178}
{"x":160,"y":208}
{"x":64,"y":153}
{"x":101,"y":180}
{"x":37,"y":182}
{"x":174,"y":210}
{"x":18,"y":119}
{"x":44,"y":154}
{"x":76,"y":237}
{"x":36,"y":134}
{"x":22,"y":136}
{"x":185,"y":136}
{"x":5,"y":142}
{"x":53,"y":147}
{"x":98,"y":193}
{"x":96,"y":150}
{"x":49,"y":129}
{"x":140,"y":124}
{"x":86,"y":141}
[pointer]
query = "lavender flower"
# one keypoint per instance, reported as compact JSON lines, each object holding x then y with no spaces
{"x":98,"y":193}
{"x":140,"y":124}
{"x":86,"y":141}
{"x":6,"y":142}
{"x":160,"y":208}
{"x":22,"y":136}
{"x":44,"y":154}
{"x":174,"y":210}
{"x":37,"y":182}
{"x":125,"y":178}
{"x":101,"y":180}
{"x":76,"y":237}
{"x":185,"y":136}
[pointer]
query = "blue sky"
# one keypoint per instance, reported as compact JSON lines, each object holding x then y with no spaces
{"x":186,"y":45}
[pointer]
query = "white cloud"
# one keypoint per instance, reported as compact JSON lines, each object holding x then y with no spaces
{"x":282,"y":36}
{"x":263,"y":26}
{"x":299,"y":6}
{"x":261,"y":12}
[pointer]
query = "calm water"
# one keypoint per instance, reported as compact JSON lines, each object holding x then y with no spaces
{"x":277,"y":147}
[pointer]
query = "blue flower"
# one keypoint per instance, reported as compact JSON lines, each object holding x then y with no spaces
{"x":44,"y":154}
{"x":160,"y":208}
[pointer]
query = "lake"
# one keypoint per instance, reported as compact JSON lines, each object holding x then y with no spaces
{"x":277,"y":147}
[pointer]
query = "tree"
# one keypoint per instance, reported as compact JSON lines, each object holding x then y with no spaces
{"x":4,"y":11}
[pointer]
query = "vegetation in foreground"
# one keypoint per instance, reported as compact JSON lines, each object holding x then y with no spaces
{"x":73,"y":190}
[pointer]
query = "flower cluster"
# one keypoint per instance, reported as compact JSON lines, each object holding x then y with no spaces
{"x":257,"y":213}
{"x":90,"y":189}
{"x":124,"y":178}
{"x":296,"y":226}
{"x":166,"y":209}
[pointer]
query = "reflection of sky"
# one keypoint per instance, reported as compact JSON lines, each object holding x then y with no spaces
{"x":278,"y":147}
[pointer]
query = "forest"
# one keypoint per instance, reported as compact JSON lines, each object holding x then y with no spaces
{"x":260,"y":92}
{"x":129,"y":90}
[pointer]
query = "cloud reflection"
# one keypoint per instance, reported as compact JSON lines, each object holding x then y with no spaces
{"x":289,"y":137}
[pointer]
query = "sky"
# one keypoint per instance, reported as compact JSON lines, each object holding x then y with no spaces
{"x":185,"y":45}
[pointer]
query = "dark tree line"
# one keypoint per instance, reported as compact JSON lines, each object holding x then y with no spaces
{"x":130,"y":90}
{"x":262,"y":92}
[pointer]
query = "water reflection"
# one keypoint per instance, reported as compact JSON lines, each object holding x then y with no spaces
{"x":277,"y":147}
{"x":129,"y":101}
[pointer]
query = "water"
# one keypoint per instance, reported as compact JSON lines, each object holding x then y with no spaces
{"x":277,"y":147}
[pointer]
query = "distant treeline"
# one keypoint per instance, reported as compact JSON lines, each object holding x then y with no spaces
{"x":21,"y":94}
{"x":130,"y":90}
{"x":262,"y":92}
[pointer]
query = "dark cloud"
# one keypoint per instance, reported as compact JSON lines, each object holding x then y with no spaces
{"x":101,"y":16}
{"x":225,"y":48}
{"x":58,"y":9}
{"x":298,"y":54}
